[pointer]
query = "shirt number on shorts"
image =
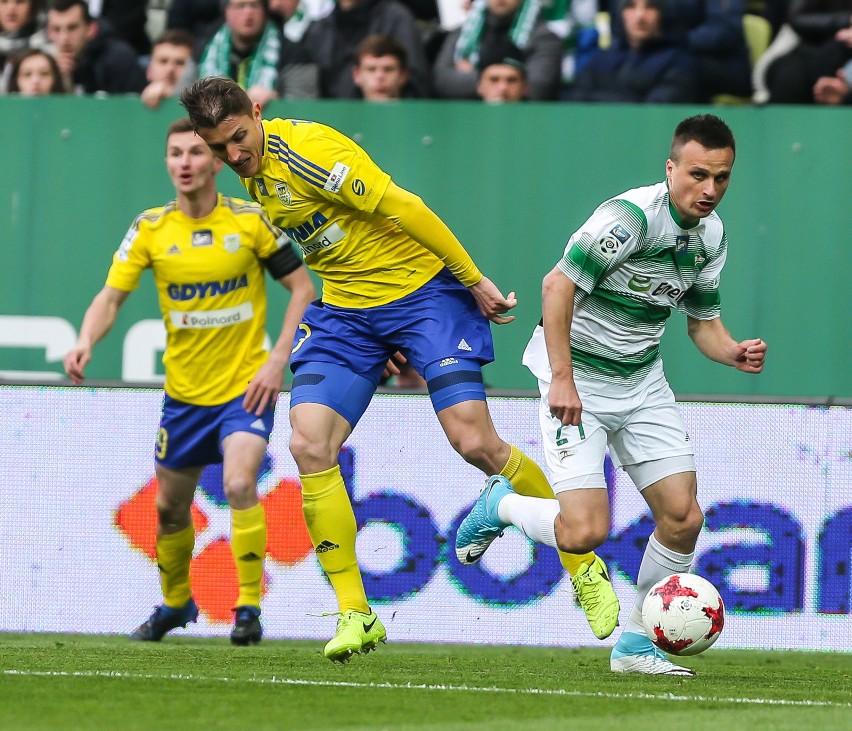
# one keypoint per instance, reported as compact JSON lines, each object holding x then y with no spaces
{"x":307,"y":333}
{"x":562,"y":436}
{"x":162,"y":443}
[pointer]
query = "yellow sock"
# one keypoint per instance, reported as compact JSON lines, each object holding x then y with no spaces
{"x":248,"y":544}
{"x":528,"y":479}
{"x":174,"y":554}
{"x":331,"y":525}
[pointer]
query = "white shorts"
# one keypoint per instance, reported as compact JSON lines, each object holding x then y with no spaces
{"x":643,"y":429}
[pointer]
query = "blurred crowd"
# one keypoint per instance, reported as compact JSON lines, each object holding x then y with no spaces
{"x":498,"y":51}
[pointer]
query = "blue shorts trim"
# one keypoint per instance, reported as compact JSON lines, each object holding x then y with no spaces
{"x":452,"y":381}
{"x":334,"y":386}
{"x":191,"y":436}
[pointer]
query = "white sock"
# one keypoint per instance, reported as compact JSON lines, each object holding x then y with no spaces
{"x":657,"y":563}
{"x":534,"y":516}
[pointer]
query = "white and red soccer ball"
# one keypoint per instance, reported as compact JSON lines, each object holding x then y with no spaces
{"x":683,"y":614}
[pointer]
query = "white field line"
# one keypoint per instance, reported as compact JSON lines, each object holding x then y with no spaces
{"x":558,"y":692}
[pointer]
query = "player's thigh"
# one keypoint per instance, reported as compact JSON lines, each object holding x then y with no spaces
{"x":585,"y":513}
{"x":337,"y":361}
{"x":438,"y":328}
{"x":673,"y":496}
{"x":339,"y":336}
{"x":651,"y":428}
{"x":674,"y":505}
{"x":242,"y":454}
{"x":318,"y":432}
{"x":188,"y":435}
{"x":471,"y":432}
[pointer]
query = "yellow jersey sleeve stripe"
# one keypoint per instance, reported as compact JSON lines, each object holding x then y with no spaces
{"x":298,"y":165}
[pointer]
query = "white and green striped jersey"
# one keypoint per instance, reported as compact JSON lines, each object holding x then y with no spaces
{"x":633,"y":262}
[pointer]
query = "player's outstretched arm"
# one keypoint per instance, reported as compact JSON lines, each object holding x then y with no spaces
{"x":423,"y":225}
{"x":97,"y":322}
{"x":715,"y":342}
{"x":266,"y":385}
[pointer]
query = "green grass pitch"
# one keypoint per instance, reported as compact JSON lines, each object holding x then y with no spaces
{"x":71,"y":682}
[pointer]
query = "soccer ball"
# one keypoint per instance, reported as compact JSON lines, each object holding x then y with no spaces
{"x":683,"y":614}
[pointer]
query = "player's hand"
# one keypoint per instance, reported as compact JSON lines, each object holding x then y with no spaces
{"x":564,"y":401}
{"x":263,"y":391}
{"x":393,"y":364}
{"x":750,"y":355}
{"x":75,"y":362}
{"x":491,"y":301}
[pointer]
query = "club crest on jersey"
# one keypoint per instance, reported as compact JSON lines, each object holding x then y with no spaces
{"x":681,"y":243}
{"x":621,"y":233}
{"x":282,"y":190}
{"x":204,"y":237}
{"x":231,"y":243}
{"x":261,"y":186}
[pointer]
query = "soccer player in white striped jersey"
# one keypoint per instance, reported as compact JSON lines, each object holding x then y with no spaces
{"x":596,"y":356}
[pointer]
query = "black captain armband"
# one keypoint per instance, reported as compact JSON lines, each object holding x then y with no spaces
{"x":282,"y":262}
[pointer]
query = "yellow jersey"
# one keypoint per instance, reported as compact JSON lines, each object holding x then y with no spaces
{"x":212,"y":293}
{"x":322,"y":189}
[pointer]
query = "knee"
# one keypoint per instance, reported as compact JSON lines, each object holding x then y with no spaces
{"x":693,"y":523}
{"x":311,"y":454}
{"x":580,"y":536}
{"x":172,"y":513}
{"x":240,"y":490}
{"x":476,"y":449}
{"x":682,"y":528}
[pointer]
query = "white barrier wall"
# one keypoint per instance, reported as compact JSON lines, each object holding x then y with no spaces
{"x":77,"y":526}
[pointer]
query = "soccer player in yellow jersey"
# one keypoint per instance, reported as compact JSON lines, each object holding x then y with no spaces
{"x":208,"y":253}
{"x":395,"y":278}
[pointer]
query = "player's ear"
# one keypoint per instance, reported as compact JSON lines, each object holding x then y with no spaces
{"x":217,"y":165}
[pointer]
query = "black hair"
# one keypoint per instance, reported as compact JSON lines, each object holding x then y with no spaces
{"x":708,"y":130}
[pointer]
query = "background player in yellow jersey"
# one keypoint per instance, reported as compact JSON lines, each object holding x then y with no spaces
{"x":208,"y":254}
{"x":395,"y":278}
